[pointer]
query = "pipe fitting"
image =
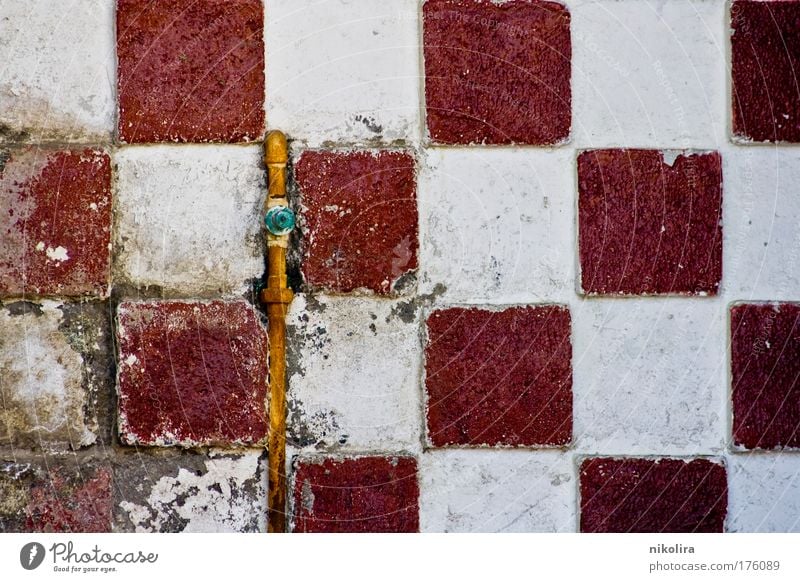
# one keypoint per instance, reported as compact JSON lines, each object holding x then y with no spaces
{"x":279,"y":220}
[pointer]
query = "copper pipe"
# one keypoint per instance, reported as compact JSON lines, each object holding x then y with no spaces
{"x":276,"y":296}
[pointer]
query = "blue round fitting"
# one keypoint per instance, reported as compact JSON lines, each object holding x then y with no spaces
{"x":279,"y":220}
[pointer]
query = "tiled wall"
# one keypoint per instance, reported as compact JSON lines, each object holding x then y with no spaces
{"x":546,"y":266}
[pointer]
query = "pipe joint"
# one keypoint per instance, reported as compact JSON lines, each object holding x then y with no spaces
{"x":280,"y":220}
{"x":271,"y":296}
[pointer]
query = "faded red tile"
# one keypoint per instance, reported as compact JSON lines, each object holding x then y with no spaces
{"x":190,"y":70}
{"x":360,"y":219}
{"x":55,"y":497}
{"x":499,"y":377}
{"x":648,"y":226}
{"x":497,"y":73}
{"x":192,"y":373}
{"x":55,"y":222}
{"x":765,"y":58}
{"x":365,"y":494}
{"x":765,"y":374}
{"x":653,"y":496}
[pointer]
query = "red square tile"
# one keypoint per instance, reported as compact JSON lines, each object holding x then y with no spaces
{"x":648,"y":225}
{"x":365,"y":494}
{"x":55,"y":222}
{"x":499,"y":377}
{"x":765,"y":58}
{"x":765,"y":373}
{"x":190,"y":70}
{"x":192,"y":373}
{"x":497,"y":73}
{"x":359,"y":212}
{"x":653,"y":496}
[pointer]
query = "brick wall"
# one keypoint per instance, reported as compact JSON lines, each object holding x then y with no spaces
{"x":547,"y":266}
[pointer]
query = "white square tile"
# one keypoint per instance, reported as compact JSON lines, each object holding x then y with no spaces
{"x":188,"y":218}
{"x":43,"y":388}
{"x":649,"y":73}
{"x":354,"y":375}
{"x":761,"y":214}
{"x":58,"y":75}
{"x":342,"y":71}
{"x":764,"y":493}
{"x":497,"y":491}
{"x":649,"y":376}
{"x":498,"y":225}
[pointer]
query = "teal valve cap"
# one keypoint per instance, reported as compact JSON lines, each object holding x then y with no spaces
{"x":279,"y":220}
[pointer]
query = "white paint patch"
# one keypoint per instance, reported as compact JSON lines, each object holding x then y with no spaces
{"x":360,"y":366}
{"x":211,"y":502}
{"x":58,"y":254}
{"x":343,"y":71}
{"x":497,"y":225}
{"x":649,"y":376}
{"x":497,"y":491}
{"x":138,"y":514}
{"x":669,"y":156}
{"x":189,"y":218}
{"x":57,"y":81}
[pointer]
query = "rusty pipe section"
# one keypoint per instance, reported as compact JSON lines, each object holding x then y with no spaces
{"x":279,"y":221}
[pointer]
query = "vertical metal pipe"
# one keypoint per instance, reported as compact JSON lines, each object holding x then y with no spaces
{"x":277,"y":297}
